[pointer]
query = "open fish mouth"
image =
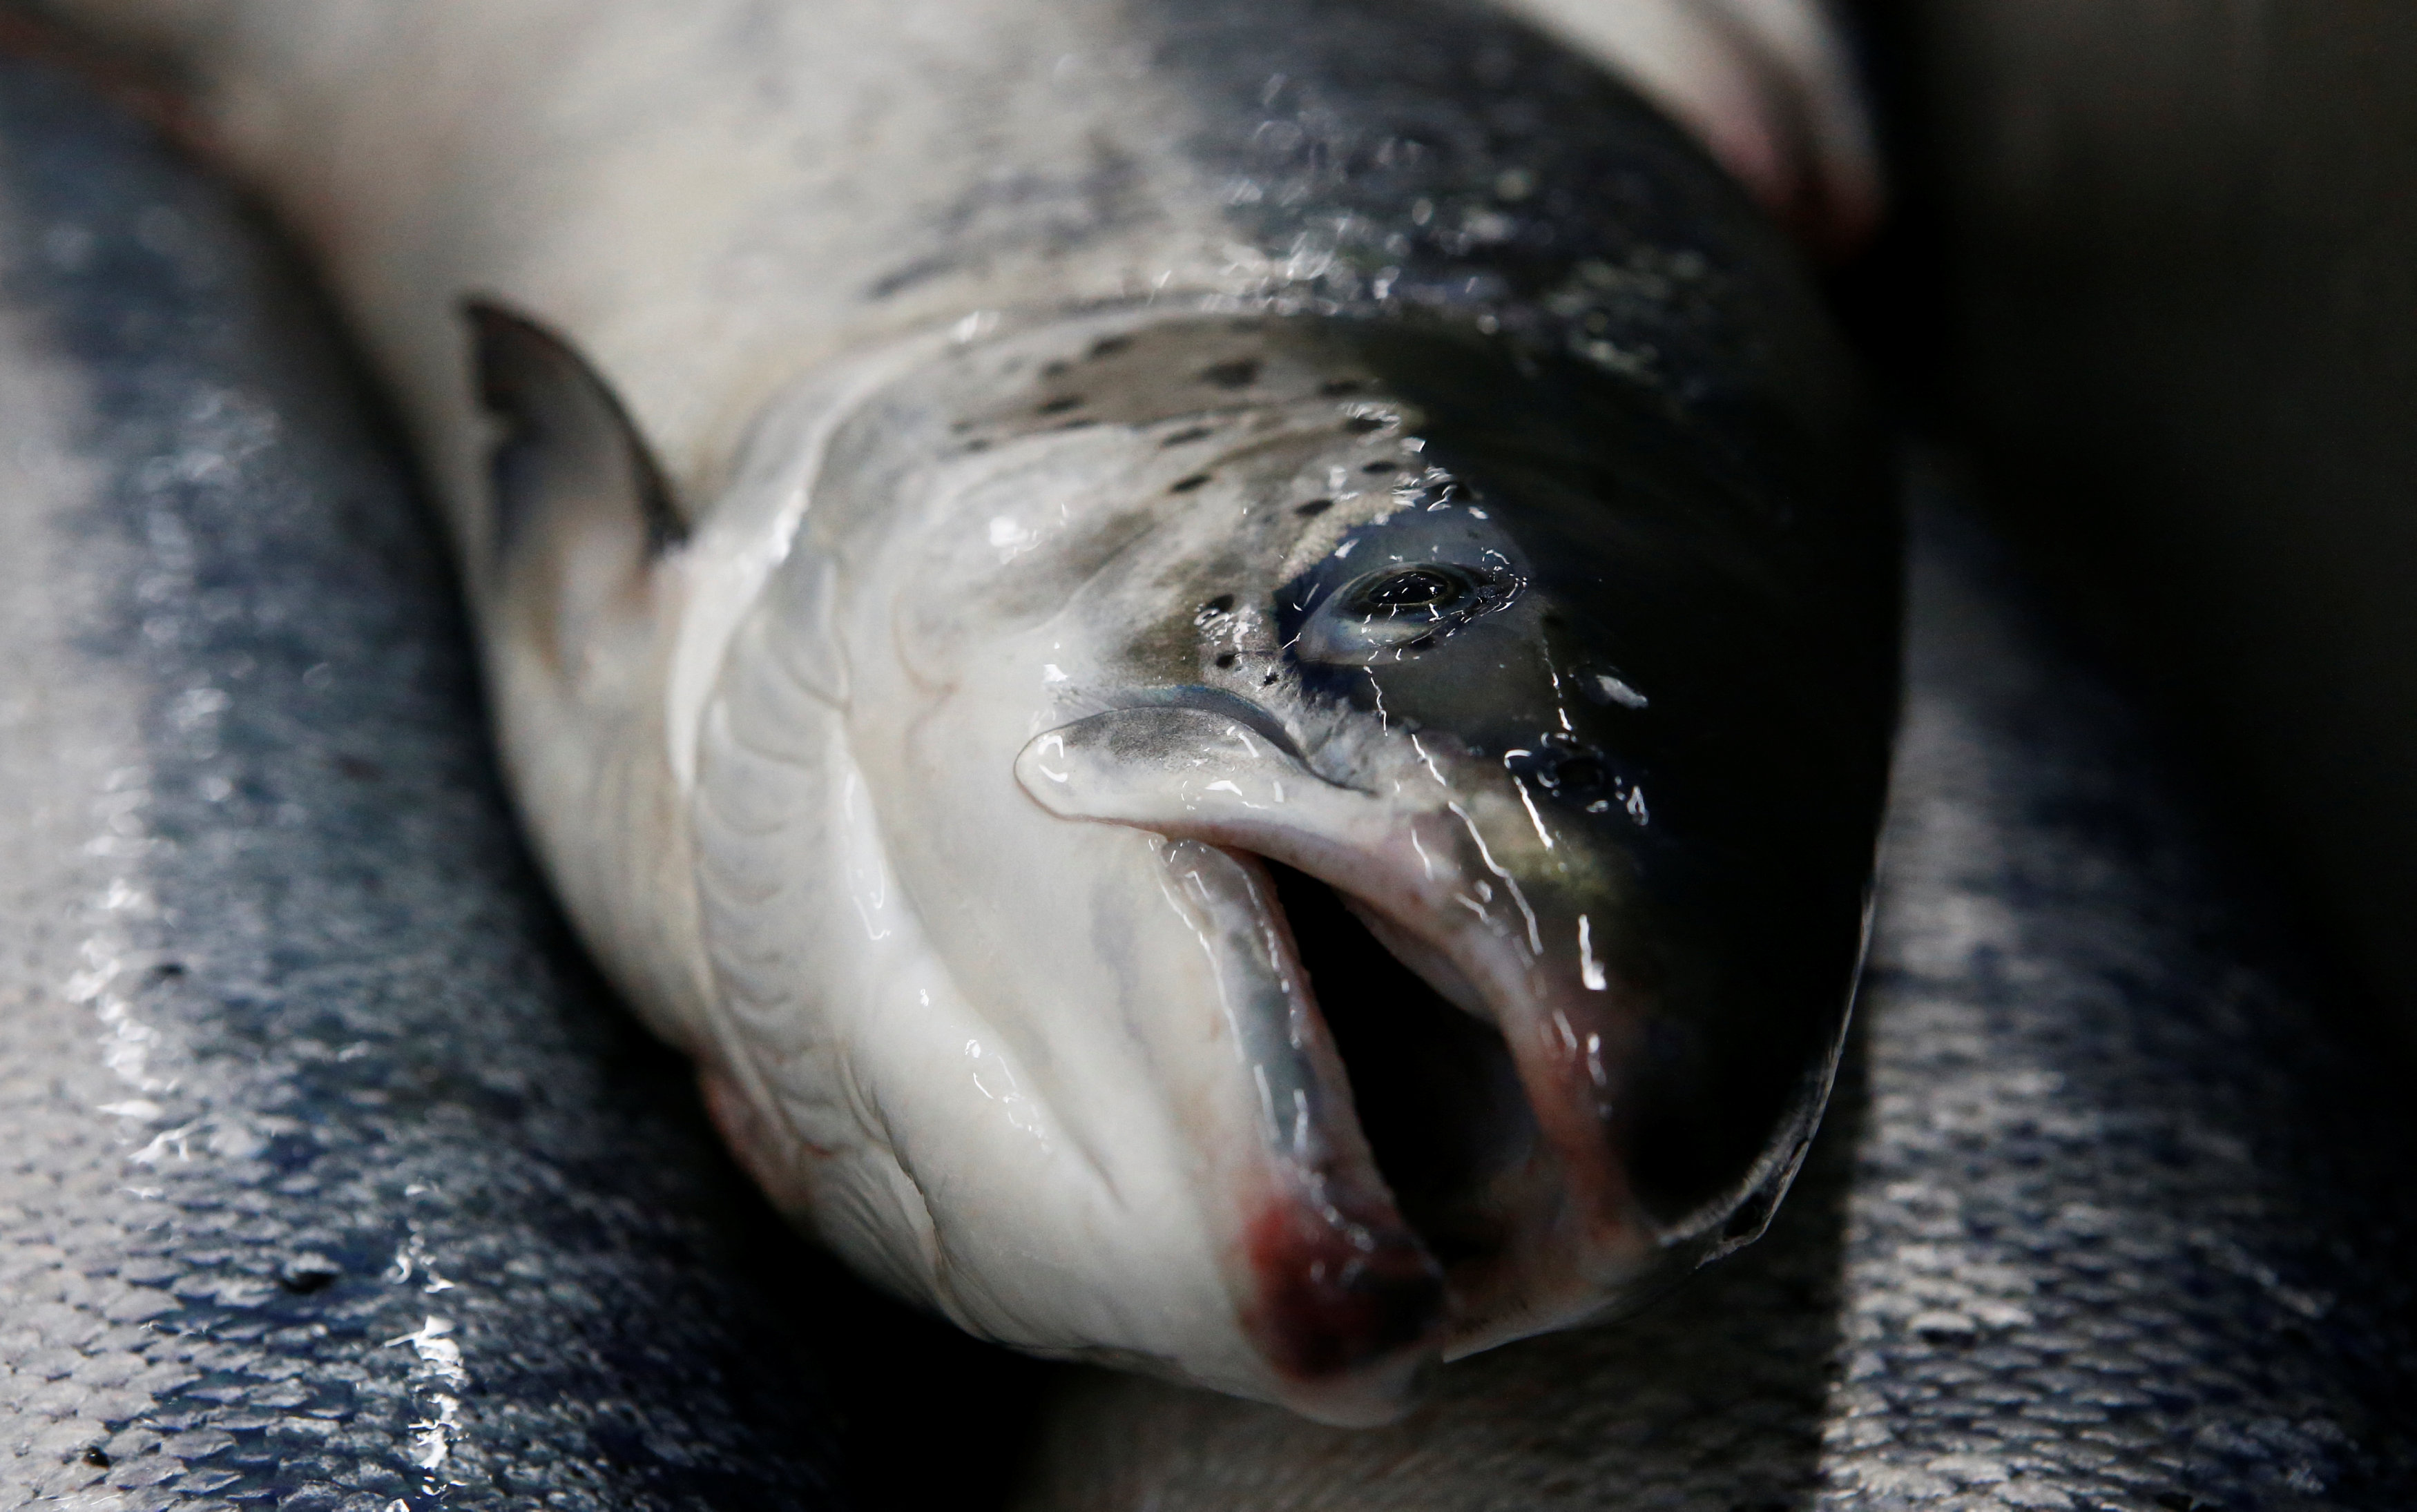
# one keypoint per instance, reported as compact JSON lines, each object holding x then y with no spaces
{"x":1438,"y":1057}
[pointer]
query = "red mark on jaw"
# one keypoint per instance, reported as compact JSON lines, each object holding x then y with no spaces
{"x":1326,"y":1305}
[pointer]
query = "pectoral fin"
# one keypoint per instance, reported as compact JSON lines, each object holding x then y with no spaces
{"x":581,"y":508}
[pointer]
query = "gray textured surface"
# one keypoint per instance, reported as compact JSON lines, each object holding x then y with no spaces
{"x":2097,"y":1220}
{"x":324,"y":1183}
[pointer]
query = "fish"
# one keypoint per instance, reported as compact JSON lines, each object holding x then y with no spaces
{"x":2109,"y":1211}
{"x":329,"y":1175}
{"x":1229,"y":666}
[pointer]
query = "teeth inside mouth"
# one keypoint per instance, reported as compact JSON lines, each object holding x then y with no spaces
{"x":1437,"y":1096}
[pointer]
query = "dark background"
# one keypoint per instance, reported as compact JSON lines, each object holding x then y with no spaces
{"x":2154,"y":272}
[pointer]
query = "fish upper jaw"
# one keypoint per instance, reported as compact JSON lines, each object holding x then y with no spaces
{"x":1537,"y":1228}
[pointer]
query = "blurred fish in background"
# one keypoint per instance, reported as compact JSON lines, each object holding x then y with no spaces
{"x":329,"y":1177}
{"x":2162,"y":258}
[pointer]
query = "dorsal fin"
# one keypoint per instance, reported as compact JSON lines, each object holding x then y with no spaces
{"x":581,"y":506}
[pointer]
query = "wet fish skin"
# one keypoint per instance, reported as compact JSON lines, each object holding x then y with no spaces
{"x":794,"y":774}
{"x":2108,"y":1213}
{"x":328,"y":1176}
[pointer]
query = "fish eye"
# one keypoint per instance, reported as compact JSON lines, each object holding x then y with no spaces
{"x":1400,"y":611}
{"x":1433,"y":589}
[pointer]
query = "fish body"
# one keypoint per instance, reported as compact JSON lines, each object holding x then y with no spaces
{"x":1230,"y":666}
{"x":327,"y":1177}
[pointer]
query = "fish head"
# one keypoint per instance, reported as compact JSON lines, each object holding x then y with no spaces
{"x":1402,"y":814}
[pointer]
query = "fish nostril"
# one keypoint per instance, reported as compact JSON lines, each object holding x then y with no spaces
{"x":1580,"y":777}
{"x":1313,"y":508}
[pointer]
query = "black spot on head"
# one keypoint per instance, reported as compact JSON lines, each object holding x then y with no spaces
{"x":1313,"y":508}
{"x":168,"y":970}
{"x":1185,"y":485}
{"x":1188,"y":433}
{"x":1060,"y":404}
{"x":1053,"y":369}
{"x":1360,"y":425}
{"x":307,"y":1281}
{"x":1381,"y":468}
{"x":1239,"y":374}
{"x":1108,"y":346}
{"x":1227,"y":658}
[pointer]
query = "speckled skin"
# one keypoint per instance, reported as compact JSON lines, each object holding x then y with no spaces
{"x":2101,"y":1219}
{"x":325,"y":1179}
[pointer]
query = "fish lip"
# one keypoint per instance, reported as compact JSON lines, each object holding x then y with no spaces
{"x":1259,"y":720}
{"x":1328,"y":1311}
{"x":1336,"y":1294}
